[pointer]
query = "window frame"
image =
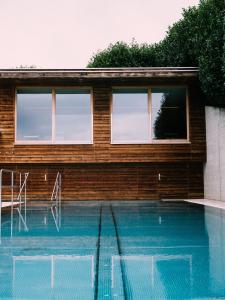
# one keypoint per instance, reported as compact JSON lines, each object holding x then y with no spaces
{"x":151,"y":140}
{"x":53,"y":141}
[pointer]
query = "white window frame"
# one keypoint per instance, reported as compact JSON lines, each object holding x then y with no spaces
{"x":151,"y":140}
{"x":53,"y":141}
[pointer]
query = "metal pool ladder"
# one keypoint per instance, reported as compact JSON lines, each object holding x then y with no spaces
{"x":56,"y":201}
{"x":17,"y":202}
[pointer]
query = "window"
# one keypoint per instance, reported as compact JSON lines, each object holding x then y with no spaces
{"x":34,"y":115}
{"x":130,"y":117}
{"x":169,"y":113}
{"x":149,"y":115}
{"x":53,"y":116}
{"x":73,"y":116}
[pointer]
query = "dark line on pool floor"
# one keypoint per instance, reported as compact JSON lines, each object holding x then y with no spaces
{"x":125,"y":292}
{"x":98,"y":254}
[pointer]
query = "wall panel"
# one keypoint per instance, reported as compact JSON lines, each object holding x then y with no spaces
{"x":120,"y":181}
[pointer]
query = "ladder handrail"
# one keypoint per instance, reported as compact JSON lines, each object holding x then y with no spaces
{"x":22,"y":187}
{"x":55,"y":185}
{"x":56,"y":198}
{"x":10,"y":171}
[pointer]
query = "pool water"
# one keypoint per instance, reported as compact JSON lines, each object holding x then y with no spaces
{"x":115,"y":250}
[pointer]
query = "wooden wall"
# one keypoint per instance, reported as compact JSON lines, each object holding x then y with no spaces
{"x":102,"y":170}
{"x":129,"y":181}
{"x":101,"y":150}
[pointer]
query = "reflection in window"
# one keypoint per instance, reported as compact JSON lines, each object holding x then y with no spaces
{"x":130,"y":117}
{"x":69,"y":122}
{"x":169,"y":113}
{"x":73,"y":116}
{"x":34,"y":114}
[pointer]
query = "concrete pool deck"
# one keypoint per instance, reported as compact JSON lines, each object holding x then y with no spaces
{"x":207,"y":202}
{"x":9,"y":204}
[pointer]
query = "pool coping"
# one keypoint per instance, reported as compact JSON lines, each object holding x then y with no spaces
{"x":207,"y":202}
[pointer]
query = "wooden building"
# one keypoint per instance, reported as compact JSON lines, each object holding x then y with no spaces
{"x":126,"y":133}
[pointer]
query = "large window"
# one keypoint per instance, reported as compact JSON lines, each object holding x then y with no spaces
{"x":130,"y":116}
{"x":54,"y":116}
{"x":169,"y":113}
{"x":73,"y":116}
{"x":149,"y":115}
{"x":34,"y":115}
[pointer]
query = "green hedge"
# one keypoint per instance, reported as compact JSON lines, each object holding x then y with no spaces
{"x":198,"y":39}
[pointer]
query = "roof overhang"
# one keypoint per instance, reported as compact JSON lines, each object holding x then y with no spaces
{"x":92,"y":75}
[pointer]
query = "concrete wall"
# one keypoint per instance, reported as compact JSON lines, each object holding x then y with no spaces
{"x":214,"y":173}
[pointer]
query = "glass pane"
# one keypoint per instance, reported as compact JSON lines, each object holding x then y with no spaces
{"x":34,"y":115}
{"x":73,"y":116}
{"x":169,"y":113}
{"x":130,"y":117}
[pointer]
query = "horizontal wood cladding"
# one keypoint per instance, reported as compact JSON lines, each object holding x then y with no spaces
{"x":101,"y":150}
{"x":119,"y":181}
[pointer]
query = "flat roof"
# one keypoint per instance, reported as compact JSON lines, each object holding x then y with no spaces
{"x":100,"y":73}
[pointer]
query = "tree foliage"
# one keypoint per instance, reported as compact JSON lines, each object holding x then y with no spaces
{"x":171,"y":113}
{"x":198,"y":39}
{"x":121,"y":54}
{"x":26,"y":67}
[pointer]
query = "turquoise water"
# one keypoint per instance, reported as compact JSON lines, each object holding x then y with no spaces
{"x":112,"y":250}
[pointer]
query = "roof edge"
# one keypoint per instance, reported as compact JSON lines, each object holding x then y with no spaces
{"x":121,"y":69}
{"x":99,"y":73}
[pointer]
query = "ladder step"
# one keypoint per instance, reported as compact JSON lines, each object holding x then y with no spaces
{"x":9,"y":204}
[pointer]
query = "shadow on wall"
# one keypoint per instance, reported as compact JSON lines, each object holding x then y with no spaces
{"x":214,"y":172}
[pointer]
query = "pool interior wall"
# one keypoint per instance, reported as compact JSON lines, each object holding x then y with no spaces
{"x":115,"y":250}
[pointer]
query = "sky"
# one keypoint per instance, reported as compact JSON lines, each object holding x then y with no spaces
{"x":66,"y":33}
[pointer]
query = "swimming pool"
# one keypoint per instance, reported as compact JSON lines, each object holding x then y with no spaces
{"x":115,"y":250}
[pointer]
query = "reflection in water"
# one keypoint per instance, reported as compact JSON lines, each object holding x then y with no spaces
{"x":151,"y":272}
{"x":116,"y":251}
{"x":62,"y":275}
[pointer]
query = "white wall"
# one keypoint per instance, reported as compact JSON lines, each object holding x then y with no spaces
{"x":214,"y":173}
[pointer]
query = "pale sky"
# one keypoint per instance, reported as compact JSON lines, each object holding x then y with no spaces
{"x":65,"y":33}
